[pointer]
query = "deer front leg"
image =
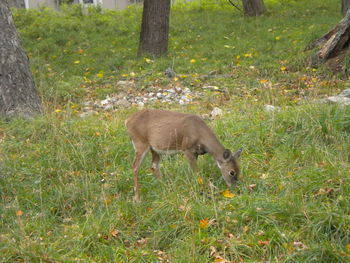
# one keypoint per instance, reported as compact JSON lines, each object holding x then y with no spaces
{"x":155,"y":164}
{"x":140,"y":154}
{"x":192,"y":159}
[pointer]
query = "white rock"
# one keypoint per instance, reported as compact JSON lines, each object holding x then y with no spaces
{"x":126,"y":83}
{"x":140,"y":105}
{"x":159,"y":95}
{"x":86,"y":114}
{"x":185,"y":98}
{"x":216,"y":112}
{"x":187,"y":90}
{"x":337,"y":100}
{"x":181,"y":102}
{"x":123,"y":103}
{"x":106,"y":101}
{"x":345,"y":93}
{"x":171,"y":90}
{"x":271,"y":108}
{"x":108,"y":107}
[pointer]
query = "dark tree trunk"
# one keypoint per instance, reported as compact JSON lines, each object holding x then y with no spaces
{"x":332,"y":45}
{"x":154,"y":28}
{"x":16,"y":3}
{"x":253,"y":7}
{"x":345,"y":6}
{"x":18,"y":96}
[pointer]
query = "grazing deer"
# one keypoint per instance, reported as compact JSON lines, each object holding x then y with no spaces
{"x":168,"y":132}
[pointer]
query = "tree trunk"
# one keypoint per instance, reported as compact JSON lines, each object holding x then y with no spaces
{"x":332,"y":45}
{"x":155,"y":27}
{"x":345,"y":6}
{"x":16,"y":3}
{"x":253,"y":7}
{"x":18,"y":96}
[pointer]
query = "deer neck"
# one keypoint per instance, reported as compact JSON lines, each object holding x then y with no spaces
{"x":214,"y":148}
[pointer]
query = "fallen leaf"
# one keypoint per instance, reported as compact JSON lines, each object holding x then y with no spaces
{"x":252,"y":187}
{"x":228,"y":194}
{"x":19,"y":213}
{"x":200,"y":180}
{"x":115,"y":233}
{"x":219,"y":259}
{"x":324,"y":191}
{"x":348,"y":247}
{"x":204,"y":223}
{"x":245,"y":229}
{"x":263,"y":243}
{"x":298,"y":245}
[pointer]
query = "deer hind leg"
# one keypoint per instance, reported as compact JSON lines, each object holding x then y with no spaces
{"x":141,"y":150}
{"x":155,"y":164}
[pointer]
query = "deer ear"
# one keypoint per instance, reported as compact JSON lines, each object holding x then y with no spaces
{"x":227,"y":155}
{"x":237,"y":154}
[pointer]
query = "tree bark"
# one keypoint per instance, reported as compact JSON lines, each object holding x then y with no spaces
{"x":253,"y":7}
{"x":332,"y":44}
{"x":154,"y":28}
{"x":16,"y":3}
{"x":18,"y":96}
{"x":345,"y":6}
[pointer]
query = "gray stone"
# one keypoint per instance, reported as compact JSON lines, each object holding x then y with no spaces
{"x":86,"y":114}
{"x":216,"y":112}
{"x":123,"y":103}
{"x":109,"y":107}
{"x":345,"y":93}
{"x":126,"y":84}
{"x":344,"y":101}
{"x":170,"y":73}
{"x":271,"y":108}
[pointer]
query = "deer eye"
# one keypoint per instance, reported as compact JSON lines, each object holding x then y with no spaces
{"x":232,"y":173}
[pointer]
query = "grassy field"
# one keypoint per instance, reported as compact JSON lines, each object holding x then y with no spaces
{"x":66,"y":182}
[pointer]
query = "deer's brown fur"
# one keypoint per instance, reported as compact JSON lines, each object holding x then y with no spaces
{"x":167,"y":132}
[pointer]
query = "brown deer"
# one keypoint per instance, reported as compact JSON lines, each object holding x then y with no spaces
{"x":168,"y":132}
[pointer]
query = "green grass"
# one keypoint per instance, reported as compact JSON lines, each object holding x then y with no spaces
{"x":66,"y":182}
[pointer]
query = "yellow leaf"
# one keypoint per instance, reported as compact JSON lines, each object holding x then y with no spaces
{"x":263,"y":80}
{"x":277,"y":38}
{"x":193,"y":61}
{"x":58,"y":110}
{"x":200,"y":180}
{"x":100,"y":75}
{"x":77,"y":62}
{"x":228,"y":194}
{"x":280,"y":187}
{"x":283,"y":68}
{"x":173,"y":226}
{"x":348,"y":247}
{"x":204,"y":223}
{"x":97,"y":133}
{"x":108,"y":201}
{"x":19,"y":213}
